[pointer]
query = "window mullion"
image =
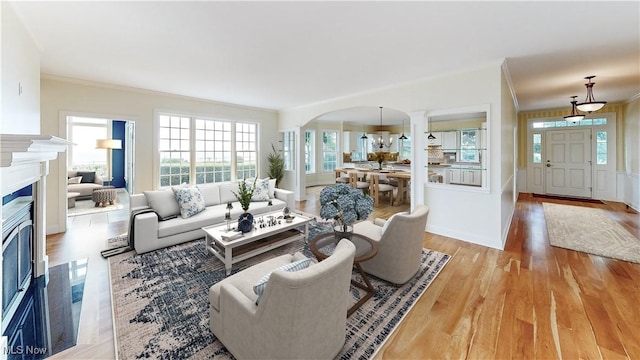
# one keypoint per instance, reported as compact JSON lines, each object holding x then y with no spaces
{"x":192,"y":151}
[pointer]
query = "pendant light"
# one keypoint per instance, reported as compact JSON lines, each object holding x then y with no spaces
{"x":574,"y":117}
{"x":380,"y":142}
{"x":402,"y":137}
{"x":590,"y":104}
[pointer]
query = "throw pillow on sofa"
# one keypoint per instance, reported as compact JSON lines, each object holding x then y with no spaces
{"x":261,"y":192}
{"x":164,"y":203}
{"x":294,"y":266}
{"x":190,"y":200}
{"x":74,"y":180}
{"x":88,"y":177}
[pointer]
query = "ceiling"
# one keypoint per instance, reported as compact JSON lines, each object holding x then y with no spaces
{"x":281,"y":55}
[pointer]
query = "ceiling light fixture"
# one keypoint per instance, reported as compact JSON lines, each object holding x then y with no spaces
{"x":380,"y":142}
{"x":364,"y":132}
{"x":575,"y":117}
{"x":590,"y":104}
{"x":402,"y":137}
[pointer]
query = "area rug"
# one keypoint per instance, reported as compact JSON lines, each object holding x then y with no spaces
{"x":590,"y":230}
{"x":161,"y":305}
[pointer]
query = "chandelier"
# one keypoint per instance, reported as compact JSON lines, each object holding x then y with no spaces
{"x":575,"y":117}
{"x":590,"y":104}
{"x":380,"y":141}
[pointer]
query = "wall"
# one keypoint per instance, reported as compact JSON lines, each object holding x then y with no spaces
{"x":64,"y":96}
{"x":508,"y":149}
{"x":631,"y":170}
{"x":118,"y":155}
{"x":20,"y":75}
{"x":480,"y":212}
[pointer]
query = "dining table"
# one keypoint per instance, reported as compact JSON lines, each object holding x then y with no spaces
{"x":402,"y":177}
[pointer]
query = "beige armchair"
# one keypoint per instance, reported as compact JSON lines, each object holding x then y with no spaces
{"x":399,"y":245}
{"x":301,"y":314}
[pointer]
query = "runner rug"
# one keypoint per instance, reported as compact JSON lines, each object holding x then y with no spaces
{"x":161,"y":305}
{"x":590,"y":230}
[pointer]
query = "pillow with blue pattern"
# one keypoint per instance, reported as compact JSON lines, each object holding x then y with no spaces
{"x":294,"y":266}
{"x":261,"y":192}
{"x":190,"y":200}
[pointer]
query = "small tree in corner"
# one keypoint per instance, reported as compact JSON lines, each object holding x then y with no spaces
{"x":276,"y":165}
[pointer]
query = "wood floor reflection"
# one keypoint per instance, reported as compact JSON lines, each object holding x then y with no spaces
{"x":531,"y":300}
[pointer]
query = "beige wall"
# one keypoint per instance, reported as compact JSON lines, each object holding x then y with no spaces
{"x":631,"y":137}
{"x":525,"y":116}
{"x":61,"y":96}
{"x":20,"y":70}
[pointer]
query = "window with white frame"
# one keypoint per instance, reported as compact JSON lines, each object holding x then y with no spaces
{"x":197,"y":150}
{"x":213,"y":151}
{"x":83,"y":133}
{"x":175,"y":150}
{"x":246,"y":150}
{"x":405,"y":148}
{"x":329,"y":150}
{"x":601,"y":147}
{"x":309,"y":151}
{"x":289,"y":150}
{"x":537,"y":148}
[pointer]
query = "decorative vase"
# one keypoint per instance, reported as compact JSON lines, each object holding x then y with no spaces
{"x":245,"y":222}
{"x":341,"y":232}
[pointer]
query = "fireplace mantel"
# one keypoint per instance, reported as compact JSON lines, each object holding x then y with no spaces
{"x":22,"y":158}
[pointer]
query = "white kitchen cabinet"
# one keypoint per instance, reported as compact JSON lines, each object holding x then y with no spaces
{"x":472,"y":177}
{"x":436,"y":141}
{"x":454,"y":176}
{"x":449,"y":141}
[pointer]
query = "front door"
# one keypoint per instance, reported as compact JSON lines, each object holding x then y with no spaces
{"x":568,"y":164}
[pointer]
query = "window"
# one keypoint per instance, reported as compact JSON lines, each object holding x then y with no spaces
{"x":309,"y":153}
{"x":198,"y":151}
{"x":469,"y":145}
{"x":405,"y":148}
{"x":213,"y":151}
{"x":84,"y":132}
{"x":289,"y":150}
{"x":175,"y":150}
{"x":246,"y":150}
{"x":329,"y":150}
{"x":563,"y":123}
{"x":601,"y":148}
{"x":537,"y":148}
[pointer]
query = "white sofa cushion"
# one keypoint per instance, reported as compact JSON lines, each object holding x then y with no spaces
{"x":211,"y":193}
{"x":74,"y":180}
{"x":164,"y":203}
{"x":226,"y":192}
{"x":190,"y":200}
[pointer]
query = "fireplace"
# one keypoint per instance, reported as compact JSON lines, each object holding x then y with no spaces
{"x":24,"y":166}
{"x":17,"y":254}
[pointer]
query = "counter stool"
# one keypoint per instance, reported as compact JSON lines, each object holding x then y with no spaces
{"x":104,"y":196}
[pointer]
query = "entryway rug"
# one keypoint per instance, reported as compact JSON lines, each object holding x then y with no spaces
{"x":590,"y":230}
{"x":161,"y":305}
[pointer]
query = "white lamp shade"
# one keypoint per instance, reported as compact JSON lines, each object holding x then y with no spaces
{"x":108,"y":144}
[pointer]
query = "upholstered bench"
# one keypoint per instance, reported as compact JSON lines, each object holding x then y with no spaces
{"x":104,"y":196}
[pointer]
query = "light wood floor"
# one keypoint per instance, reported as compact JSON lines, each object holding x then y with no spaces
{"x":531,"y":300}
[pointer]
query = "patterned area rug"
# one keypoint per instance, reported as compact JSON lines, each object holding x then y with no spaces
{"x":161,"y":304}
{"x":590,"y":230}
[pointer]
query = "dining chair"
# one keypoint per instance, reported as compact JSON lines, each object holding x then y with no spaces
{"x":355,"y":180}
{"x":375,"y":188}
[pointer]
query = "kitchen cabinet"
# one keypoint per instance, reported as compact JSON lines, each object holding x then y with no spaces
{"x":436,"y":141}
{"x":471,"y":176}
{"x":449,"y":141}
{"x":454,"y":176}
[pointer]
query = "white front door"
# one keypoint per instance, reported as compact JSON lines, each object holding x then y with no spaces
{"x":568,"y":163}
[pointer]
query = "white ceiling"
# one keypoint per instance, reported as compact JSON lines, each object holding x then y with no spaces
{"x":280,"y":55}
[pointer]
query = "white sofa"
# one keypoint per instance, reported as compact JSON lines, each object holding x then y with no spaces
{"x":300,"y":315}
{"x":151,"y":233}
{"x":84,"y":188}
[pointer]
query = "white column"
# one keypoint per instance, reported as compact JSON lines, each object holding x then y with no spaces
{"x":418,"y":157}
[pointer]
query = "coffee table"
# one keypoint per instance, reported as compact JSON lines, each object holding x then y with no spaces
{"x":255,"y":242}
{"x":322,"y":247}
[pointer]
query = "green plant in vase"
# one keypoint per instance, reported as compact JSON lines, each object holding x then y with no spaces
{"x":244,"y":195}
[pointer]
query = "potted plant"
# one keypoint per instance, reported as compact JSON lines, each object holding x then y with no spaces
{"x":345,"y":205}
{"x":276,"y":165}
{"x":244,"y":195}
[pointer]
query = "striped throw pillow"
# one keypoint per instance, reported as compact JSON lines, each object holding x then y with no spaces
{"x":294,"y":266}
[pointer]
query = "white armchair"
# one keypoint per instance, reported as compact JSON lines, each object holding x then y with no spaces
{"x":301,"y":314}
{"x":399,"y":245}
